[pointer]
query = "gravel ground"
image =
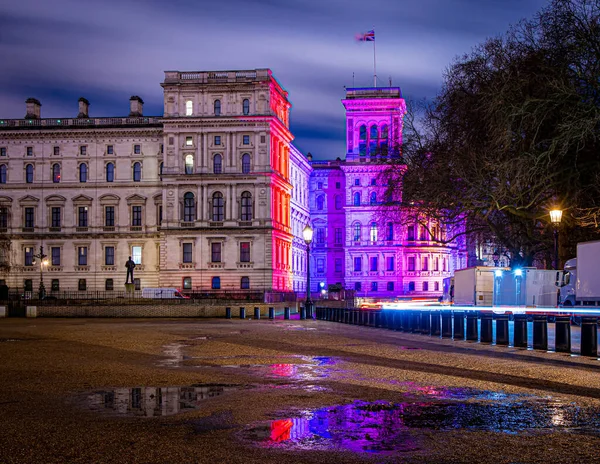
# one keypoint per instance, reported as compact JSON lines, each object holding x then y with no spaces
{"x":50,"y":367}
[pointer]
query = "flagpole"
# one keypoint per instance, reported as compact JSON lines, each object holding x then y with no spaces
{"x":374,"y":61}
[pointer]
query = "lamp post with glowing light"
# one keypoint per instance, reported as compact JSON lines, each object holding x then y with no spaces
{"x":555,"y":218}
{"x":307,"y":234}
{"x":43,"y":262}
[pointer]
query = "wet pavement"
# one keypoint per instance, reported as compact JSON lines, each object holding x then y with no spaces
{"x":285,"y":391}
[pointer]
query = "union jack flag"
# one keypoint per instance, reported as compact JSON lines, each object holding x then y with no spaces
{"x":368,"y":36}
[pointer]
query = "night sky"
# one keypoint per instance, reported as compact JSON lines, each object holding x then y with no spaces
{"x":106,"y":51}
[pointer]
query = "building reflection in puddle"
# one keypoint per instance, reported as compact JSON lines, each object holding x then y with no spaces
{"x":153,"y":401}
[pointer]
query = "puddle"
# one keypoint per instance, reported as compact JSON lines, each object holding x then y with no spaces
{"x":313,"y":368}
{"x":154,"y":401}
{"x":174,"y":354}
{"x":7,"y":340}
{"x":382,"y":427}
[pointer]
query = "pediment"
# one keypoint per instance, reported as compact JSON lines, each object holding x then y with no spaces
{"x":135,"y":198}
{"x":82,"y":199}
{"x":4,"y":199}
{"x":55,"y":199}
{"x":29,"y":199}
{"x":109,"y":197}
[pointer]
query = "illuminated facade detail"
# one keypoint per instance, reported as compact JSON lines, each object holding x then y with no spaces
{"x":375,"y":257}
{"x":199,"y":197}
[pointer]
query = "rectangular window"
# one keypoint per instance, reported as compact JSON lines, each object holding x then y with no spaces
{"x":338,"y":265}
{"x":136,"y":215}
{"x":357,"y":182}
{"x":83,"y":216}
{"x":357,"y":286}
{"x":136,"y":254}
{"x":109,"y":216}
{"x":358,"y":264}
{"x":320,"y":185}
{"x":187,"y":283}
{"x":373,"y":286}
{"x":109,"y":285}
{"x":390,"y":231}
{"x":29,"y":217}
{"x":56,"y":151}
{"x":55,"y":216}
{"x":436,"y":286}
{"x":320,"y":235}
{"x":338,"y":185}
{"x":410,"y":235}
{"x":390,"y":263}
{"x":425,"y":286}
{"x":55,"y":256}
{"x":4,"y":217}
{"x":436,"y":264}
{"x":28,"y":284}
{"x":425,"y":264}
{"x":55,"y":285}
{"x":320,"y":265}
{"x":29,"y":256}
{"x":137,"y":284}
{"x":217,"y":140}
{"x":187,"y":252}
{"x":109,"y":151}
{"x":109,"y":256}
{"x":29,"y":151}
{"x":2,"y":151}
{"x":159,"y":215}
{"x":411,"y":263}
{"x":215,"y":255}
{"x":82,"y":253}
{"x":390,"y":286}
{"x":338,"y":235}
{"x":244,"y":252}
{"x":137,"y":149}
{"x":422,"y":233}
{"x":246,"y":140}
{"x":83,"y":150}
{"x":188,"y":141}
{"x":374,"y":264}
{"x":82,"y":285}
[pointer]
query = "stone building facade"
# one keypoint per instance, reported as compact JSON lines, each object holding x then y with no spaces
{"x":199,"y":197}
{"x":300,"y":170}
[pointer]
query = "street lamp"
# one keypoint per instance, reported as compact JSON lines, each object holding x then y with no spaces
{"x":555,"y":218}
{"x":43,"y":262}
{"x":307,"y":234}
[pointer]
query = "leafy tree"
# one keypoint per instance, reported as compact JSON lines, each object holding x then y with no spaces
{"x":512,"y":133}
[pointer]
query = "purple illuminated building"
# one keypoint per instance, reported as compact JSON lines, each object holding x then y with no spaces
{"x":353,"y":246}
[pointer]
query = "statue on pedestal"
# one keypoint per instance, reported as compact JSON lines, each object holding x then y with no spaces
{"x":130,"y":265}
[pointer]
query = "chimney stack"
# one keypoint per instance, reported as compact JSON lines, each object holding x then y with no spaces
{"x":136,"y":107}
{"x":33,"y":108}
{"x":309,"y":156}
{"x":84,"y":106}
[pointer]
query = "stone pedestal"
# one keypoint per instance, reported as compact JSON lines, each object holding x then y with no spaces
{"x":130,"y":290}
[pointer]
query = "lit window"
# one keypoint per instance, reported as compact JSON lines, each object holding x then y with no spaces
{"x":189,"y":164}
{"x":56,"y":173}
{"x":136,"y":254}
{"x":189,"y":108}
{"x":187,"y":283}
{"x":373,"y":234}
{"x":189,"y":142}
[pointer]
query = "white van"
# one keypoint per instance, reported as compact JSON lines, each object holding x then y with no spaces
{"x":162,"y":293}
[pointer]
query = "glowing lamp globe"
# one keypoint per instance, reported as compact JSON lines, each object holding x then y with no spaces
{"x":555,"y":216}
{"x":307,"y":234}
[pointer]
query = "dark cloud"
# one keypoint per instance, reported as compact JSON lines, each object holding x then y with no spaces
{"x":106,"y":51}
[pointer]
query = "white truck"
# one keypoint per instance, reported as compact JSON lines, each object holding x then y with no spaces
{"x":526,"y":286}
{"x":474,"y":286}
{"x":580,"y":281}
{"x":163,"y":293}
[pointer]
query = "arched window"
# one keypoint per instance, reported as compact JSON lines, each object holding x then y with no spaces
{"x":189,"y":108}
{"x":246,"y":206}
{"x":189,"y":207}
{"x":246,"y":106}
{"x":56,"y":173}
{"x":218,"y":207}
{"x":110,"y":172}
{"x":29,"y":173}
{"x":357,"y":199}
{"x":363,"y":132}
{"x":384,"y":131}
{"x":217,"y":164}
{"x":246,"y":163}
{"x":357,"y":232}
{"x":189,"y":164}
{"x":83,"y":172}
{"x":137,"y":171}
{"x":373,"y":233}
{"x":2,"y":173}
{"x":217,"y":107}
{"x":373,"y":132}
{"x":338,"y":202}
{"x":216,"y":283}
{"x":373,"y":198}
{"x":320,"y":202}
{"x":245,"y":283}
